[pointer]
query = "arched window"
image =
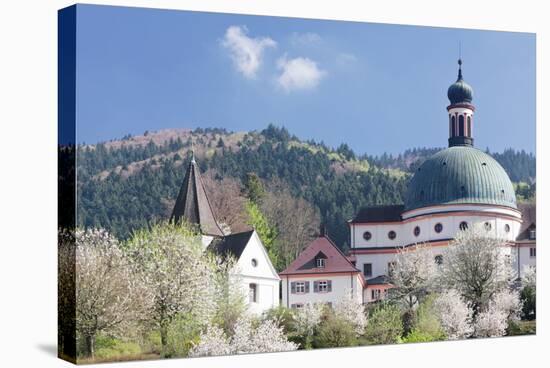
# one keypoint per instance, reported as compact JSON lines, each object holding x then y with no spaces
{"x":453,"y":126}
{"x":461,"y":125}
{"x":469,"y":126}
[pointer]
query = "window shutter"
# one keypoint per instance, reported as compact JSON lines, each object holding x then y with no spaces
{"x":307,"y":286}
{"x":315,"y":286}
{"x":293,"y":287}
{"x":329,"y":285}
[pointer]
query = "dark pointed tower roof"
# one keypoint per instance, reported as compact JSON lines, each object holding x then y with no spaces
{"x":192,"y":205}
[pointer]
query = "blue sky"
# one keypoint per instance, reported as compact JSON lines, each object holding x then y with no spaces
{"x":379,"y":88}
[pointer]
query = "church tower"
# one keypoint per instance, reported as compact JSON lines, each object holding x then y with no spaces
{"x":192,"y":206}
{"x":461,"y":112}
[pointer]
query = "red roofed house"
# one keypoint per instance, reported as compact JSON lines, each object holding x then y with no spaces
{"x":320,"y":274}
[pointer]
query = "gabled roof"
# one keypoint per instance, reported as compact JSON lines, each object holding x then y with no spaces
{"x":378,"y":280}
{"x":192,"y":205}
{"x":233,"y":244}
{"x":529,"y":217}
{"x":336,"y":261}
{"x":389,"y":213}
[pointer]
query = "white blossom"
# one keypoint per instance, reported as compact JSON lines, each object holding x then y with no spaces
{"x":108,"y":296}
{"x":508,"y":301}
{"x":172,"y":264}
{"x":212,"y":342}
{"x":412,"y":274}
{"x":267,"y":336}
{"x":454,"y":315}
{"x":477,"y":266}
{"x":529,"y":278}
{"x":491,"y":322}
{"x":307,"y":318}
{"x":352,"y":310}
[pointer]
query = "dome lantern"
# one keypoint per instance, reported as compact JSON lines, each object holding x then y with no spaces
{"x":461,"y":111}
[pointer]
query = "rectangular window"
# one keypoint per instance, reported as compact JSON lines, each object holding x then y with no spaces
{"x":324,"y":286}
{"x":296,"y":306}
{"x":253,"y":293}
{"x":321,"y":262}
{"x":300,"y":287}
{"x":532,"y":234}
{"x":367,"y":269}
{"x":533,"y":252}
{"x":375,"y":294}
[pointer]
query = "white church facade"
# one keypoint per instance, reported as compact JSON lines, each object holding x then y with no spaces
{"x":256,"y":275}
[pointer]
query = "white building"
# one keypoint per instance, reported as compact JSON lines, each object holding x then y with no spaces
{"x":320,"y":274}
{"x":259,"y":280}
{"x":456,"y":188}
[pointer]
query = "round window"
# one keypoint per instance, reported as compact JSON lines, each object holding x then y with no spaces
{"x":392,"y":235}
{"x":463,"y":225}
{"x":438,"y":227}
{"x":417,"y":231}
{"x":367,"y":235}
{"x":254,"y":262}
{"x":487,"y":226}
{"x":507,"y":228}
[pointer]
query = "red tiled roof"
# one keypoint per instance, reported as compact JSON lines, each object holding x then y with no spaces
{"x":336,"y":261}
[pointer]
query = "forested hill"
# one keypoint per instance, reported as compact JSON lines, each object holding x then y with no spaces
{"x":124,"y":184}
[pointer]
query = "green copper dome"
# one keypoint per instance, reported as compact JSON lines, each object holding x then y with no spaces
{"x":460,"y":175}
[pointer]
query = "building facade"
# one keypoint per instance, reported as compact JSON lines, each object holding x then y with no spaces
{"x":457,"y":188}
{"x":320,"y":274}
{"x":257,"y":277}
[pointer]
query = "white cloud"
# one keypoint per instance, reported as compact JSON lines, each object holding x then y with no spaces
{"x":245,"y":51}
{"x":347,"y":58}
{"x":299,"y":73}
{"x":305,"y":39}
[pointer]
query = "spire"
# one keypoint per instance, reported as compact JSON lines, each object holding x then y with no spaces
{"x":460,"y":110}
{"x":192,"y":205}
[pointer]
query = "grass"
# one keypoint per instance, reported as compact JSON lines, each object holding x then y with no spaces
{"x":523,"y":328}
{"x":119,"y":358}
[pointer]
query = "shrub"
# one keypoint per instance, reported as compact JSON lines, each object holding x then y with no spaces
{"x":529,"y":298}
{"x":384,"y":326}
{"x":334,"y":332}
{"x":427,"y":326}
{"x":109,"y":348}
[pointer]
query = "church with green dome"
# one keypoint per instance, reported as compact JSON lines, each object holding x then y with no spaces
{"x":456,"y":188}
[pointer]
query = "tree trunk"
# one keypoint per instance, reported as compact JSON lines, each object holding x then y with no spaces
{"x":163,"y":337}
{"x":90,"y":346}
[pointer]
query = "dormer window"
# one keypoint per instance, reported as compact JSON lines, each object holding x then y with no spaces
{"x":321,"y":262}
{"x":532,"y":234}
